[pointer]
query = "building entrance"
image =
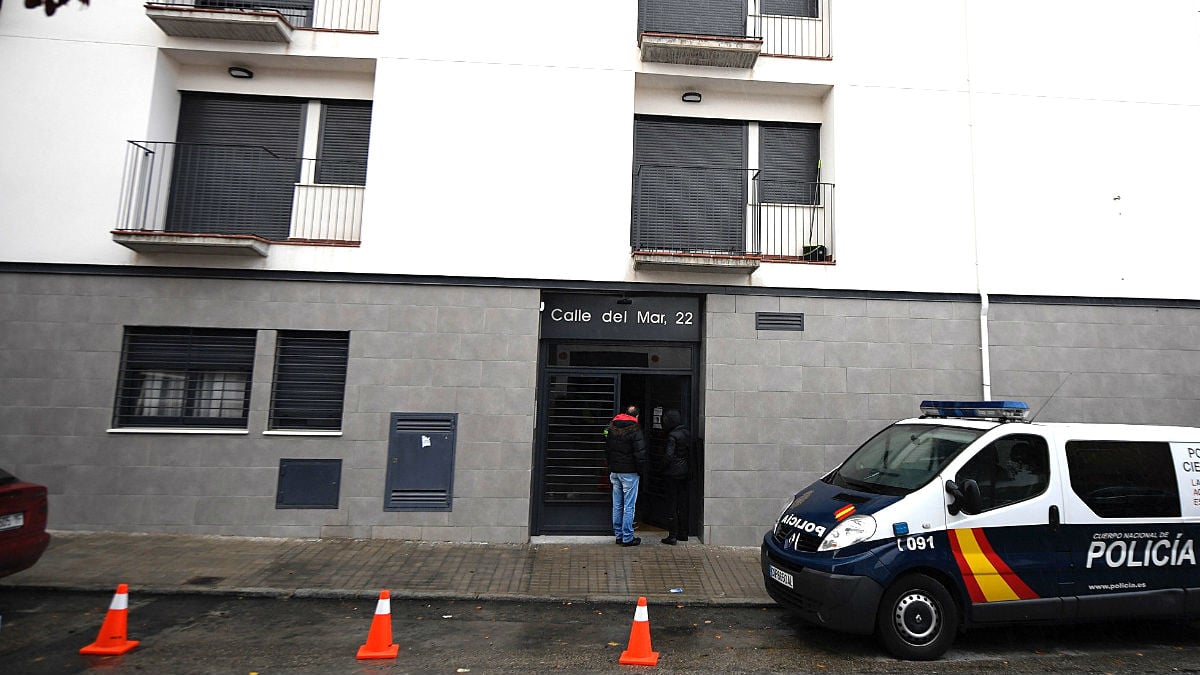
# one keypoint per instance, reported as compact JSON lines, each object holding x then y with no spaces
{"x":582,"y":385}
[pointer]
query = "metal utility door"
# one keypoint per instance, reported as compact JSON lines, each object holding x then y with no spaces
{"x":576,"y":496}
{"x":420,"y":469}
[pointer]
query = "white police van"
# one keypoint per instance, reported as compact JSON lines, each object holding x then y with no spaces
{"x":972,"y":516}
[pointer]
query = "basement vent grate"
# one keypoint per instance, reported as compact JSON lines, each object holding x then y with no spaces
{"x":779,"y":321}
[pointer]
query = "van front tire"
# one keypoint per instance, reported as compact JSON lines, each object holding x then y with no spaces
{"x":917,"y":619}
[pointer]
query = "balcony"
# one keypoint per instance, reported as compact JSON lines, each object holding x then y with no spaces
{"x":721,"y":34}
{"x":262,"y":20}
{"x":728,"y":220}
{"x":234,"y":199}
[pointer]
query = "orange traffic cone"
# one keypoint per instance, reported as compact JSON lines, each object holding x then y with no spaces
{"x":111,"y":639}
{"x":639,"y":652}
{"x":379,"y":641}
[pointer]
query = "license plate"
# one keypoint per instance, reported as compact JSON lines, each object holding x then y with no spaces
{"x":12,"y":521}
{"x":782,"y":577}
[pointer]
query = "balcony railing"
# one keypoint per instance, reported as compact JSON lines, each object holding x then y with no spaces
{"x":262,"y":20}
{"x":688,"y":32}
{"x":731,"y":213}
{"x":791,"y":27}
{"x":173,"y":191}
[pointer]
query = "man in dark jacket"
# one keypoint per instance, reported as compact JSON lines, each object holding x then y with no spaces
{"x":625,"y":450}
{"x":675,"y":476}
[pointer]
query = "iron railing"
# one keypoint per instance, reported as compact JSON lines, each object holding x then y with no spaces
{"x":334,"y":15}
{"x":732,"y":212}
{"x":799,"y":28}
{"x":214,"y":189}
{"x":791,"y":27}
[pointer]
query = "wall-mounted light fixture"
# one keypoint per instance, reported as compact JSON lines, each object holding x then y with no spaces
{"x":240,"y":72}
{"x":691,"y":97}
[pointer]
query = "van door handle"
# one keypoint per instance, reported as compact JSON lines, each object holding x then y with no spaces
{"x":1054,"y":518}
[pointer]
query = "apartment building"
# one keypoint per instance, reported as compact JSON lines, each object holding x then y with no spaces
{"x":355,"y":268}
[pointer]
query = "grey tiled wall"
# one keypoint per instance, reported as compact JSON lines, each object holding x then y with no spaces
{"x":782,"y":408}
{"x":412,"y":349}
{"x":1073,"y":363}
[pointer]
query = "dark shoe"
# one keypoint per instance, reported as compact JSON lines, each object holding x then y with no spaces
{"x":681,"y":538}
{"x":619,"y":542}
{"x":669,"y":541}
{"x":632,"y":542}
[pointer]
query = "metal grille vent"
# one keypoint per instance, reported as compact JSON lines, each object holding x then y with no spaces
{"x":779,"y":321}
{"x":424,"y":424}
{"x":414,"y":500}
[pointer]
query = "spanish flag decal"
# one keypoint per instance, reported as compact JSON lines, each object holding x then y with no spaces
{"x":844,"y":512}
{"x":986,"y":576}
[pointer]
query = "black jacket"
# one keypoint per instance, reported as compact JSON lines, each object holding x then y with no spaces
{"x":625,"y":446}
{"x":679,"y":447}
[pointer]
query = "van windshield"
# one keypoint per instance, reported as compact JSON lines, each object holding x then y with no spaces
{"x":902,"y":458}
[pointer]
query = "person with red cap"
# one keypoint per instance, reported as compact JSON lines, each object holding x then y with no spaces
{"x":625,"y":451}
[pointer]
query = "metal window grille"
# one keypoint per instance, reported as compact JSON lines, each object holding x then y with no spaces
{"x":185,"y":377}
{"x":310,"y":380}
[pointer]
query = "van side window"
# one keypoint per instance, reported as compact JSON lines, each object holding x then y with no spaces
{"x":1124,"y":479}
{"x":1009,"y":470}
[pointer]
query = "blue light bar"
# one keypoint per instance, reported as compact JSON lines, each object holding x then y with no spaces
{"x":987,"y":410}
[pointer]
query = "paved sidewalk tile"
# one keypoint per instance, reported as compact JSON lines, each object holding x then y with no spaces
{"x":360,"y":568}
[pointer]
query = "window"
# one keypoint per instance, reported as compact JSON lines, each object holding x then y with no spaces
{"x":715,"y":18}
{"x":790,"y":155}
{"x":805,"y":8}
{"x":185,"y":377}
{"x":238,"y":159}
{"x":310,"y":380}
{"x":345,"y":132}
{"x":1124,"y":479}
{"x":1009,"y":470}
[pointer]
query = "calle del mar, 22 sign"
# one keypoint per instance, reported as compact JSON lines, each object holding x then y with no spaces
{"x":609,"y":317}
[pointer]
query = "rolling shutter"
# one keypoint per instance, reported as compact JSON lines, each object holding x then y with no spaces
{"x":236,"y":164}
{"x":298,"y":13}
{"x":805,"y":8}
{"x":719,"y":18}
{"x":689,"y":185}
{"x":789,"y":155}
{"x":345,"y":131}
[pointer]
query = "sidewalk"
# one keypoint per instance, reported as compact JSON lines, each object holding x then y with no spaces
{"x":575,"y":568}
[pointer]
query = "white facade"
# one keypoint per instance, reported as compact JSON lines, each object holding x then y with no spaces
{"x":975,"y":146}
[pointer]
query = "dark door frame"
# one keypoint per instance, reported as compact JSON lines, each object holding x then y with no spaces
{"x":537,"y":522}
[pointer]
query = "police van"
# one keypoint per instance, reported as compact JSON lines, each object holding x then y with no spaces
{"x":971,"y":515}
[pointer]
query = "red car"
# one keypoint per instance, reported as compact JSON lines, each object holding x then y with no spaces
{"x":23,"y":537}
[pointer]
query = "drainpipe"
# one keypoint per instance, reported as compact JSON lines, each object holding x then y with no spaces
{"x":985,"y":357}
{"x":985,"y":354}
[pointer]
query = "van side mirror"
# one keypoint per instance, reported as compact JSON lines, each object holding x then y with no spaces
{"x":965,"y":498}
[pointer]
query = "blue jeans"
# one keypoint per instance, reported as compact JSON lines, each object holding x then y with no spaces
{"x":624,"y":493}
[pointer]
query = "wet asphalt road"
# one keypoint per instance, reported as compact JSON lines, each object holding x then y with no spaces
{"x":42,"y":631}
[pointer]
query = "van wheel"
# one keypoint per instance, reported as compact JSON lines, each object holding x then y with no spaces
{"x":917,"y":618}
